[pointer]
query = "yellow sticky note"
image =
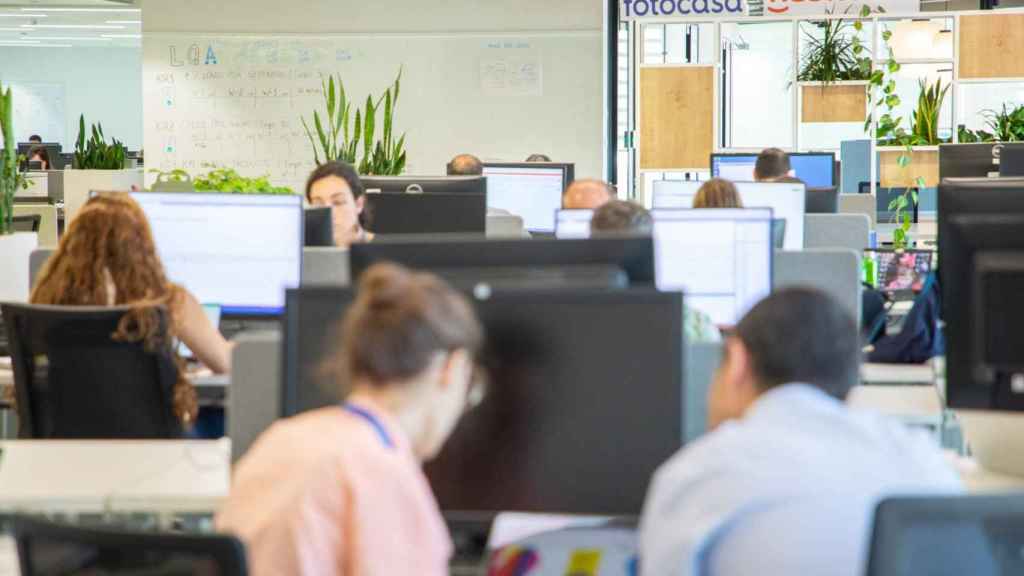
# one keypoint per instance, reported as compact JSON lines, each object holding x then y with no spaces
{"x":584,"y":562}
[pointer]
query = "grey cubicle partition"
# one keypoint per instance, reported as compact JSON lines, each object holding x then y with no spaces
{"x":849,"y":231}
{"x":859,"y":204}
{"x":36,"y":261}
{"x":325,"y":267}
{"x":701,"y":362}
{"x":836,"y":272}
{"x":254,"y":399}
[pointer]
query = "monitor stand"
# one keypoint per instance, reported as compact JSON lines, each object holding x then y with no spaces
{"x":996,"y":441}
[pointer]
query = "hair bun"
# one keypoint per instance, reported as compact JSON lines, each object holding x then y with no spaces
{"x":385,"y":285}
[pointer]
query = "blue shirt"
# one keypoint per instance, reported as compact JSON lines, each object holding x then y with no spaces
{"x":788,"y":489}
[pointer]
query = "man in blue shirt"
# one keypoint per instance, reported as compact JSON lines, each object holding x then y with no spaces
{"x":787,"y":480}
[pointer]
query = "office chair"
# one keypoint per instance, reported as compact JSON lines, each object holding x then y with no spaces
{"x":823,"y":200}
{"x":28,"y":223}
{"x":948,"y":535}
{"x":50,"y":548}
{"x":72,"y":380}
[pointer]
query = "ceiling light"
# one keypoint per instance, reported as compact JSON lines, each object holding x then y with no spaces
{"x":9,"y":43}
{"x":124,"y":21}
{"x":81,"y":10}
{"x":23,"y":16}
{"x":121,"y":35}
{"x":19,"y":42}
{"x":71,"y":27}
{"x":46,"y":38}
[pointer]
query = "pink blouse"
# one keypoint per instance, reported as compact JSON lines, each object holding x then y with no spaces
{"x":336,"y":491}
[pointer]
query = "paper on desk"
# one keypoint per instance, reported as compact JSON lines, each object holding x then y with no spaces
{"x":511,"y":527}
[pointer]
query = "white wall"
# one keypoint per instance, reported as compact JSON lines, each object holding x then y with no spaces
{"x":105,"y":84}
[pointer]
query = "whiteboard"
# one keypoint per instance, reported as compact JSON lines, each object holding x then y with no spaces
{"x":237,"y":101}
{"x":38,"y":109}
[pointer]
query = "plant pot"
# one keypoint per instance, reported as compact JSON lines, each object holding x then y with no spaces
{"x":833,"y":101}
{"x":15,"y":250}
{"x":924,"y":163}
{"x":77,"y":184}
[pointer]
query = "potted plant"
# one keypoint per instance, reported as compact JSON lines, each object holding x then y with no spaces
{"x":98,"y":165}
{"x":223,"y":180}
{"x":834,"y":73}
{"x":15,"y":248}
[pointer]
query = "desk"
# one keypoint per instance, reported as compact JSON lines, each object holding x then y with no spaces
{"x":897,"y":374}
{"x":162,"y":477}
{"x":977,"y":480}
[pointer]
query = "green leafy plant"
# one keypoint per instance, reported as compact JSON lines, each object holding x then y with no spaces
{"x":10,"y":179}
{"x":386,"y":156}
{"x":1007,"y":125}
{"x":333,"y":140}
{"x":967,"y":136}
{"x":95,"y":153}
{"x":836,"y":55}
{"x":229,"y":181}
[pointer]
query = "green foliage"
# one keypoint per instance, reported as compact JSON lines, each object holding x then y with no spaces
{"x":925,"y":123}
{"x":10,"y":179}
{"x":1006,"y":125}
{"x":95,"y":153}
{"x":175,"y":175}
{"x":836,"y":56}
{"x":228,"y":181}
{"x":334,"y":141}
{"x":967,"y":136}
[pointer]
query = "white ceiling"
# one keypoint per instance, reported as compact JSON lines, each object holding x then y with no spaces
{"x":70,"y":23}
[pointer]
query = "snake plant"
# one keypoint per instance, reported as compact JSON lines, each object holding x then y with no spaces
{"x":386,"y":156}
{"x":10,"y":179}
{"x":95,"y":153}
{"x":333,"y":140}
{"x":925,"y":122}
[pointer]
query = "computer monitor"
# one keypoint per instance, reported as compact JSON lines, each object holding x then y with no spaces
{"x":517,"y":262}
{"x":674,"y":193}
{"x":822,"y":200}
{"x":900,"y":273}
{"x":237,"y":250}
{"x":977,"y":160}
{"x":573,"y":224}
{"x":562,"y":380}
{"x":432,"y":213}
{"x":961,"y":196}
{"x":721,"y":258}
{"x":984,"y":257}
{"x":1011,"y":160}
{"x":787,"y":203}
{"x":52,"y":152}
{"x":530,"y":190}
{"x":425,"y":184}
{"x":816,"y":169}
{"x":319,"y":226}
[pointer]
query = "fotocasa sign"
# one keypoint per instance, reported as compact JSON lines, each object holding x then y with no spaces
{"x":709,"y":9}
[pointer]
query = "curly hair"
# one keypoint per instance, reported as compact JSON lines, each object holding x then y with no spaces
{"x":108,"y":257}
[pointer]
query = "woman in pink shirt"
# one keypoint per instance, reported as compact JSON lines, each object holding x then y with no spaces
{"x":340,"y":490}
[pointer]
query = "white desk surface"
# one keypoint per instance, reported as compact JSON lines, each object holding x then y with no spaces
{"x":898,"y":401}
{"x":897,"y":373}
{"x":154,"y":476}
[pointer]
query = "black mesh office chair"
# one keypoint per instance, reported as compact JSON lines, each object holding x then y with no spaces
{"x":46,"y":548}
{"x":73,"y":380}
{"x":948,"y":535}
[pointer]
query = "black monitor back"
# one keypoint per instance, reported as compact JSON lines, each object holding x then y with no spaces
{"x":983,"y":310}
{"x":961,"y":196}
{"x":485,"y":258}
{"x":426,"y":184}
{"x":1011,"y":160}
{"x":318,"y":227}
{"x":822,"y":200}
{"x":435,"y":213}
{"x":966,"y":160}
{"x":585,"y":398}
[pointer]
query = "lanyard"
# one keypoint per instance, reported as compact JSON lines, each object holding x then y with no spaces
{"x":371,"y":420}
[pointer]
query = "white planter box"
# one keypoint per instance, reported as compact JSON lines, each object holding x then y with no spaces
{"x":15,"y":250}
{"x":79,"y":183}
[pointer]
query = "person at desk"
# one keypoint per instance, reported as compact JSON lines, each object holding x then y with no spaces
{"x":717,"y":193}
{"x":465,"y":165}
{"x":538,"y":158}
{"x":587,"y":194}
{"x":788,"y":479}
{"x":35,"y":139}
{"x":337,"y":185}
{"x":340,"y":490}
{"x":108,"y":257}
{"x":39,"y":154}
{"x":620,"y":217}
{"x":772,"y":165}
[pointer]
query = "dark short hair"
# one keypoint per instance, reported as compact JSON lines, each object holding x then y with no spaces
{"x":802,"y":335}
{"x":340,"y":169}
{"x":41,"y":152}
{"x":618,"y":216}
{"x":465,"y":165}
{"x":35,"y":138}
{"x":772,"y":163}
{"x":538,"y":158}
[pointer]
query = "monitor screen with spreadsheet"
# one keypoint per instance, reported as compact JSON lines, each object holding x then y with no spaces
{"x":674,"y":193}
{"x":531,"y":191}
{"x":573,"y":223}
{"x":720,"y":257}
{"x":787,"y":202}
{"x":240,"y":251}
{"x":816,"y":169}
